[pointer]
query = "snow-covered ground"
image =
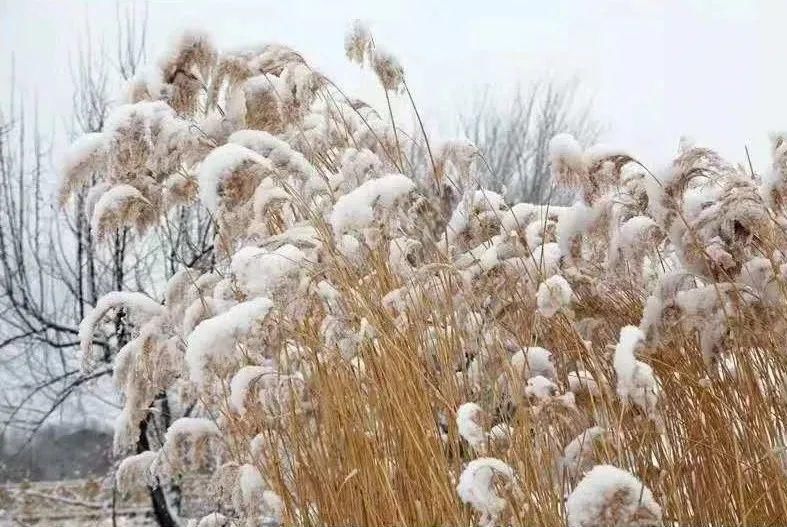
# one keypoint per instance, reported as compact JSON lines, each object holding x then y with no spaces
{"x":82,"y":503}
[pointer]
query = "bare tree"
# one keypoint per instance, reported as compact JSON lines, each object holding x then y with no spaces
{"x":52,"y":270}
{"x":514,"y":135}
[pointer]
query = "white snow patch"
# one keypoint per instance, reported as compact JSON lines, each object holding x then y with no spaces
{"x":610,"y":496}
{"x":356,"y":209}
{"x":214,"y":339}
{"x":554,"y":294}
{"x":635,"y":380}
{"x":219,"y":165}
{"x":260,"y":272}
{"x":477,"y":487}
{"x":467,"y":421}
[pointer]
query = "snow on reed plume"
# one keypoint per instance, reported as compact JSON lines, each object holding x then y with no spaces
{"x":625,"y":351}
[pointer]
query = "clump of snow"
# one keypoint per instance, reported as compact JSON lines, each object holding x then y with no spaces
{"x":388,"y":69}
{"x":403,"y":256}
{"x":478,"y":487}
{"x":566,"y":155}
{"x":82,"y":149}
{"x":633,"y":239}
{"x":356,"y":209}
{"x":213,"y":340}
{"x":500,"y":434}
{"x":774,"y":180}
{"x":139,"y":307}
{"x":179,"y":442}
{"x":468,"y":420}
{"x":635,"y":229}
{"x":359,"y":166}
{"x":350,"y":248}
{"x":574,"y":221}
{"x":260,"y":272}
{"x":610,"y":496}
{"x":141,"y":115}
{"x":134,"y":471}
{"x":283,"y":157}
{"x":540,"y":387}
{"x":330,"y":296}
{"x":578,"y":454}
{"x":255,"y":498}
{"x":582,"y":381}
{"x":546,"y":258}
{"x":220,"y":165}
{"x":250,"y":481}
{"x":112,"y":201}
{"x":241,"y":382}
{"x":82,"y":158}
{"x":601,"y":151}
{"x":190,"y":427}
{"x":519,"y":216}
{"x":554,"y":294}
{"x":93,"y":195}
{"x":147,"y":82}
{"x":474,"y":208}
{"x":533,"y":361}
{"x":211,"y":520}
{"x":636,"y":382}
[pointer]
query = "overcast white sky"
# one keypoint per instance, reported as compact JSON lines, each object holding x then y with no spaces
{"x":658,"y":69}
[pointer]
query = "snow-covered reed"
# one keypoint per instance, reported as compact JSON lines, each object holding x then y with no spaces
{"x":363,"y":288}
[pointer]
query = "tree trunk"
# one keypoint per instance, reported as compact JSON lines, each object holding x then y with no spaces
{"x":158,"y":500}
